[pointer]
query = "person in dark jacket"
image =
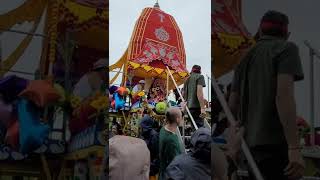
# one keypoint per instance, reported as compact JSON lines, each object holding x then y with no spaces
{"x":194,"y":165}
{"x":151,"y":137}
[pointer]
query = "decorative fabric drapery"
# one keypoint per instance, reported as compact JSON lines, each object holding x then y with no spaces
{"x":156,"y":42}
{"x":229,"y":38}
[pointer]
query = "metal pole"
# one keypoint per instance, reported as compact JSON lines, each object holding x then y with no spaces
{"x":232,"y":121}
{"x":311,"y":53}
{"x":315,"y":51}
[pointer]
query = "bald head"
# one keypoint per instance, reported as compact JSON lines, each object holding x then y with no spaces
{"x":173,"y":115}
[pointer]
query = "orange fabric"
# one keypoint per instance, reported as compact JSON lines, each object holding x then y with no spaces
{"x":40,"y":92}
{"x":122,"y":91}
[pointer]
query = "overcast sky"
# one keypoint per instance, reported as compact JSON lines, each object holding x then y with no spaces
{"x":303,"y":17}
{"x":193,"y":18}
{"x":9,"y":41}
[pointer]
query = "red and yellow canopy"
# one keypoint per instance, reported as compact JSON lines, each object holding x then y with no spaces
{"x":230,"y":39}
{"x":156,"y":42}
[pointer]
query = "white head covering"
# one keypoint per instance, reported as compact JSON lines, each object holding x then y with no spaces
{"x":129,"y":158}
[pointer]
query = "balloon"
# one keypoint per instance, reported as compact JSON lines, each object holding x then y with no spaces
{"x":32,"y":133}
{"x":12,"y":136}
{"x":161,"y":107}
{"x":119,"y":102}
{"x":40,"y":92}
{"x":122,"y":91}
{"x":11,"y":86}
{"x":113,"y":89}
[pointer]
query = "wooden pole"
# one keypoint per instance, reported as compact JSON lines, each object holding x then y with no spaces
{"x":188,"y":111}
{"x":232,"y":122}
{"x":45,"y":166}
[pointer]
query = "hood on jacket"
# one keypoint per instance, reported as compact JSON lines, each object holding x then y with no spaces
{"x":146,"y":123}
{"x":201,"y":143}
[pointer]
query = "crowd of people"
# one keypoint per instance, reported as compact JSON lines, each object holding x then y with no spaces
{"x":261,"y":98}
{"x":167,"y":158}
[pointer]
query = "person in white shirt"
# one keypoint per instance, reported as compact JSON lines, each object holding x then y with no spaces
{"x":139,"y":87}
{"x":92,"y":81}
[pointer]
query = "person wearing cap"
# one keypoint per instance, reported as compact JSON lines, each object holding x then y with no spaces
{"x":151,"y":137}
{"x":138,"y":87}
{"x":193,"y":94}
{"x":197,"y":163}
{"x":263,"y":98}
{"x":92,"y":81}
